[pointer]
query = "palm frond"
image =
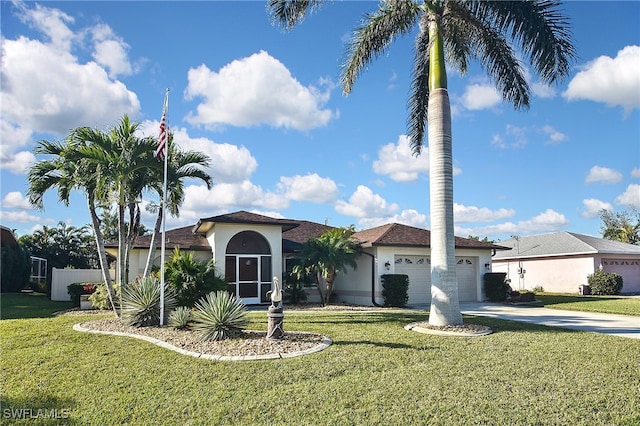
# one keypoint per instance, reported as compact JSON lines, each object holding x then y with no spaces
{"x":375,"y":35}
{"x":289,"y":13}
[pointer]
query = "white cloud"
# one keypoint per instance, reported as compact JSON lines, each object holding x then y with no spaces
{"x":363,"y":203}
{"x":547,"y":221}
{"x":554,"y":136}
{"x":22,"y":217}
{"x":17,"y":163}
{"x":613,"y":81}
{"x":603,"y":174}
{"x":513,"y":137}
{"x":542,"y":90}
{"x":53,"y":23}
{"x":255,"y":90}
{"x":15,"y":200}
{"x":240,"y":195}
{"x":635,"y":172}
{"x":464,"y":214}
{"x":630,"y":197}
{"x":110,"y":51}
{"x":398,"y":162}
{"x":63,"y":97}
{"x":310,"y":187}
{"x":480,"y":96}
{"x":592,"y":207}
{"x":409,"y":217}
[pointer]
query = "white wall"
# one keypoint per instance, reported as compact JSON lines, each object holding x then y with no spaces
{"x":61,"y":278}
{"x":557,"y":275}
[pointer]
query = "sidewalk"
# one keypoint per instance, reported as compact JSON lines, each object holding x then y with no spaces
{"x":615,"y":325}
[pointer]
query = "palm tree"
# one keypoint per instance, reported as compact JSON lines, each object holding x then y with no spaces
{"x":180,"y":165}
{"x":458,"y":30}
{"x":325,"y":256}
{"x":620,"y":226}
{"x":123,"y":163}
{"x":66,"y":175}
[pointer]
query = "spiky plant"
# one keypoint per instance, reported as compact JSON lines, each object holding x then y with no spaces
{"x":179,"y":318}
{"x":141,"y":302}
{"x":219,"y":316}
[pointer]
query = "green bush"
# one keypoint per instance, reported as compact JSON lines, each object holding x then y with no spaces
{"x":180,"y":317}
{"x":605,"y":283}
{"x":74,"y":290}
{"x":523,"y":296}
{"x":496,"y":287}
{"x":294,"y":290}
{"x":191,"y":278}
{"x":15,"y":268}
{"x":395,"y":289}
{"x":219,"y":316}
{"x":141,"y":303}
{"x":100,"y":297}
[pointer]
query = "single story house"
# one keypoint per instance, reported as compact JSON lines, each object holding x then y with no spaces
{"x":560,"y":262}
{"x":250,"y":249}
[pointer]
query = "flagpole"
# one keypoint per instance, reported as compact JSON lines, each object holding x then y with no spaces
{"x":165,"y":109}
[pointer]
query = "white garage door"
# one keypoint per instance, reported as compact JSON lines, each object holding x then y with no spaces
{"x":628,"y":269}
{"x":466,"y":274}
{"x":418,"y":268}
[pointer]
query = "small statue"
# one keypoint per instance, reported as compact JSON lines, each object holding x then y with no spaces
{"x":276,"y":294}
{"x":274,"y":313}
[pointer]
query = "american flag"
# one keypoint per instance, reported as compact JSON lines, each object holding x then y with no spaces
{"x":162,"y":139}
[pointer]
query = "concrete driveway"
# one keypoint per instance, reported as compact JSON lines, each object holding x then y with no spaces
{"x":615,"y":325}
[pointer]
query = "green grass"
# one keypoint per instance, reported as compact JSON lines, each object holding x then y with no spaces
{"x":29,"y":305}
{"x":375,"y":373}
{"x":605,"y":304}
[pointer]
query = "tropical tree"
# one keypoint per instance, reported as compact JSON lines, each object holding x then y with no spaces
{"x":64,"y":174}
{"x":181,"y":165}
{"x":325,"y":256}
{"x":493,"y":32}
{"x":125,"y":164}
{"x":621,"y":226}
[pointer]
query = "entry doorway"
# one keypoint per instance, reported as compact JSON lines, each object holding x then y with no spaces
{"x":248,"y":268}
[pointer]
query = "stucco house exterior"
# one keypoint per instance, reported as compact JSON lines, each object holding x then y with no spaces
{"x":250,"y":249}
{"x":560,"y":262}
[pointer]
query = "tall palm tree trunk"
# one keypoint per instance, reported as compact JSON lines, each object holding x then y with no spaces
{"x":102,"y":256}
{"x":152,"y":246}
{"x":445,"y":308}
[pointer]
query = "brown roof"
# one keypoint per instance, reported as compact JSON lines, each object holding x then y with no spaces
{"x":395,"y":234}
{"x":7,"y":237}
{"x":304,"y":231}
{"x":182,"y":237}
{"x":243,"y":217}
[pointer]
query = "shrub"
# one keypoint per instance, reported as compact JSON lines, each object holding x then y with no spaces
{"x":395,"y":288}
{"x":100,"y":297}
{"x":496,"y":287}
{"x":141,"y":303}
{"x":15,"y":268}
{"x":538,"y":289}
{"x":522,"y":296}
{"x":191,"y":278}
{"x":219,"y":316}
{"x":76,"y":289}
{"x":605,"y":283}
{"x":180,"y":317}
{"x":294,"y":290}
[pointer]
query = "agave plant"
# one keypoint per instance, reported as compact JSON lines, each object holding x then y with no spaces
{"x":219,"y":316}
{"x":141,"y":302}
{"x":179,"y":318}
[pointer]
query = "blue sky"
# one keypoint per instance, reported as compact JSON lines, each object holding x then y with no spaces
{"x":267,"y":107}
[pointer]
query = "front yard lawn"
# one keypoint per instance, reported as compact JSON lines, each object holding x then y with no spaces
{"x":375,"y":373}
{"x":605,"y":304}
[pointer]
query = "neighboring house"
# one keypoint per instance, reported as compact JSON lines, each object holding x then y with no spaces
{"x":250,"y":249}
{"x":560,"y":262}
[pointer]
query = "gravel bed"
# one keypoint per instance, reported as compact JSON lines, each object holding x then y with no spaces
{"x":250,"y":343}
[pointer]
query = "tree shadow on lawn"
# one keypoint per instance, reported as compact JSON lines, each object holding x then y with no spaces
{"x":363,"y":318}
{"x":552,"y":299}
{"x":30,"y":305}
{"x":390,"y":345}
{"x":39,"y":408}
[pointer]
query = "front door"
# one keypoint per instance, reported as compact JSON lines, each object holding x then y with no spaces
{"x":248,"y":279}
